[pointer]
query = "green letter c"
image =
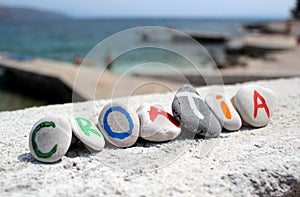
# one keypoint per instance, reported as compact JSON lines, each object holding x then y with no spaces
{"x":39,"y":153}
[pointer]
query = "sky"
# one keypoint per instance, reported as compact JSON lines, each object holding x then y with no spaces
{"x":161,"y":8}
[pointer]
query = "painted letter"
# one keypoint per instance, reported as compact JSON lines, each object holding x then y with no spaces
{"x":224,"y":107}
{"x":154,"y":112}
{"x":263,"y":104}
{"x":86,"y":127}
{"x":120,"y":134}
{"x":193,"y":106}
{"x":35,"y":147}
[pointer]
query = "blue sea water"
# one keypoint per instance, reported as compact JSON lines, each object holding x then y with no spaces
{"x":61,"y":40}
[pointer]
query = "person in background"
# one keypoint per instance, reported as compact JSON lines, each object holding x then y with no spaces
{"x":76,"y":59}
{"x":108,"y":61}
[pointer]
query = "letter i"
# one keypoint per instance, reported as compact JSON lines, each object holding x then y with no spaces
{"x":224,"y":107}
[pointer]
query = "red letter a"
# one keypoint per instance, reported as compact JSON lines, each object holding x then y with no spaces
{"x":262,"y":105}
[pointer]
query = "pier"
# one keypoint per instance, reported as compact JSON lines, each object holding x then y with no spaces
{"x":65,"y":82}
{"x":203,"y":37}
{"x":62,"y":82}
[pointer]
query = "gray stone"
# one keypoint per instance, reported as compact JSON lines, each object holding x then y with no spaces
{"x":223,"y":109}
{"x":157,"y":125}
{"x":119,"y":125}
{"x":50,"y":138}
{"x":189,"y":108}
{"x":255,"y":104}
{"x":85,"y":130}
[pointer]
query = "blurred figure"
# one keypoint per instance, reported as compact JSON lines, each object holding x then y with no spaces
{"x":288,"y":26}
{"x":108,"y":61}
{"x":76,"y":59}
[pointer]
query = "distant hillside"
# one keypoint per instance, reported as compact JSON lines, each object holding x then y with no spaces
{"x":14,"y":13}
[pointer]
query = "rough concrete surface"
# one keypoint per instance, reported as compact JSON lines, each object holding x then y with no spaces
{"x":253,"y":161}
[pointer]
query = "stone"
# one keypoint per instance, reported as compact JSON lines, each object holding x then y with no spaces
{"x":255,"y":104}
{"x":223,"y":109}
{"x":85,"y":130}
{"x":156,"y":124}
{"x":193,"y":114}
{"x":50,"y":138}
{"x":119,"y":125}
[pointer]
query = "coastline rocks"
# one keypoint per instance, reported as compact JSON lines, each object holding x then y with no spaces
{"x":119,"y":125}
{"x":223,"y":109}
{"x":189,"y":108}
{"x":50,"y":138}
{"x":88,"y":133}
{"x":156,"y":124}
{"x":255,"y":104}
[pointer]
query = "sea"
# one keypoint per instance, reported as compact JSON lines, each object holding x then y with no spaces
{"x":62,"y":40}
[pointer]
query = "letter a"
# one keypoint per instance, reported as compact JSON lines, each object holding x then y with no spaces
{"x":263,"y":104}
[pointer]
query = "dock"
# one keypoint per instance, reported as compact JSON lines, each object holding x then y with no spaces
{"x":261,"y":44}
{"x":203,"y":37}
{"x":284,"y":64}
{"x":65,"y":82}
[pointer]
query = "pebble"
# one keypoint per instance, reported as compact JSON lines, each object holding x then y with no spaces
{"x":85,"y":130}
{"x":157,"y":125}
{"x":255,"y":104}
{"x":50,"y":138}
{"x":119,"y":125}
{"x":223,"y":109}
{"x":189,"y":108}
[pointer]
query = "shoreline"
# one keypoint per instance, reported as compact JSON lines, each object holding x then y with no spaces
{"x":244,"y":67}
{"x":282,"y":64}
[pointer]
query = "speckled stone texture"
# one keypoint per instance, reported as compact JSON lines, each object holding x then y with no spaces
{"x":223,"y":109}
{"x":85,"y":131}
{"x":257,"y":115}
{"x":50,"y":138}
{"x":119,"y":124}
{"x":156,"y":124}
{"x":253,"y":162}
{"x":193,"y":114}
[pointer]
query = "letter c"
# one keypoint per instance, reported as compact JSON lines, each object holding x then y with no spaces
{"x":35,"y":147}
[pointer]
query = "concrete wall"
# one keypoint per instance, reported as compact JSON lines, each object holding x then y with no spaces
{"x":251,"y":162}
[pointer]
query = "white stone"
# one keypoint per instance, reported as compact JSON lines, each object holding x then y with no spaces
{"x":85,"y":130}
{"x":50,"y":138}
{"x":223,"y":109}
{"x":156,"y":124}
{"x":255,"y":104}
{"x":119,"y":125}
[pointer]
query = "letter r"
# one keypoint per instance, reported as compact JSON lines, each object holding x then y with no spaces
{"x":85,"y":126}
